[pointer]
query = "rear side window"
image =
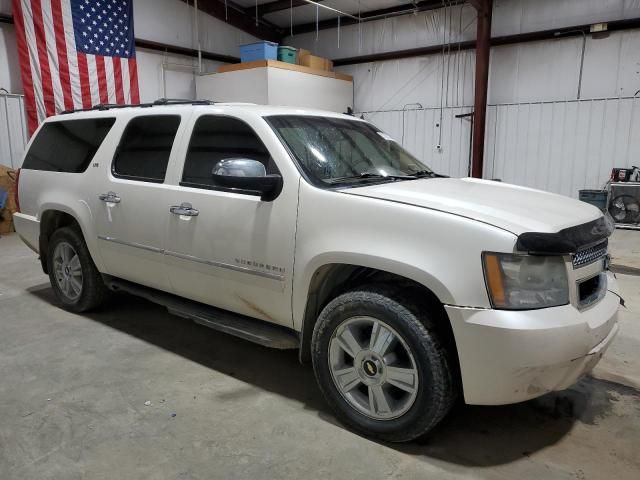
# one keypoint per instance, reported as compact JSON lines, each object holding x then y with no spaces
{"x":145,"y":147}
{"x":67,"y":146}
{"x":217,"y":138}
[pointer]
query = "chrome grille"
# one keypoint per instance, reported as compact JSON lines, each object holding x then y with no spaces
{"x":590,"y":255}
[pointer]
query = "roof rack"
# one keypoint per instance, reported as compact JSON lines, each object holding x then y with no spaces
{"x":156,"y":103}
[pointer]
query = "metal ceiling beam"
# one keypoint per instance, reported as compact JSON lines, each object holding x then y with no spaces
{"x":161,"y":47}
{"x":397,"y":10}
{"x":276,"y":6}
{"x":189,"y":52}
{"x":556,"y":33}
{"x":235,"y":15}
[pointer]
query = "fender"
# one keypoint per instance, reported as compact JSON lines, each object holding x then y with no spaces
{"x":302,"y":281}
{"x":78,"y":209}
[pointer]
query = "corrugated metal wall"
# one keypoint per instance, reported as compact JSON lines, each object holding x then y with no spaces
{"x":538,"y":133}
{"x":422,"y":130}
{"x":562,"y":146}
{"x":13,"y":130}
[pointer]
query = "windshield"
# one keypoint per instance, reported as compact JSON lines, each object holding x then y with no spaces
{"x":336,"y":151}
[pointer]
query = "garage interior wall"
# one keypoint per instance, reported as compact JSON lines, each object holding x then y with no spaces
{"x":159,"y":75}
{"x":166,"y":21}
{"x":538,"y":133}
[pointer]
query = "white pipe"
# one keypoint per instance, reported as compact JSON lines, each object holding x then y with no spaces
{"x":176,"y":67}
{"x":326,"y":7}
{"x":164,"y":80}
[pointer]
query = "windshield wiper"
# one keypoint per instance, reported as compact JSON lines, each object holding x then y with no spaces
{"x":428,"y":174}
{"x":370,"y":175}
{"x":395,"y":177}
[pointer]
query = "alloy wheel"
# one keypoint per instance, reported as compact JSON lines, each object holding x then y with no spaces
{"x":373,"y":368}
{"x":67,"y":270}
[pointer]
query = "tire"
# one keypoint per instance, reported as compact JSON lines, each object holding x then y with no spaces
{"x":64,"y":276}
{"x":426,"y":395}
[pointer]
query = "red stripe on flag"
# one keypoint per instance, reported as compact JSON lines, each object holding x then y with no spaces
{"x":102,"y":79}
{"x":117,"y":73}
{"x":83,"y":69}
{"x":133,"y":79}
{"x":25,"y":68}
{"x":61,"y":47}
{"x":43,"y":59}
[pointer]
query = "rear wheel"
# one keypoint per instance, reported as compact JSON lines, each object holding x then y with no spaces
{"x":74,"y":277}
{"x":380,"y":364}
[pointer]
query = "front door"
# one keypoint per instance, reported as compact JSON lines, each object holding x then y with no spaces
{"x":230,"y":250}
{"x":128,"y":207}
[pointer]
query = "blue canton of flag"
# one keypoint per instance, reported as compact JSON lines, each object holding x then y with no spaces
{"x":104,"y":27}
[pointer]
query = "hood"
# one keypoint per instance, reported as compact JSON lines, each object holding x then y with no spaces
{"x":510,"y":207}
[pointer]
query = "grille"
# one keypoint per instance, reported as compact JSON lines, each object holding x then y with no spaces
{"x":589,"y":255}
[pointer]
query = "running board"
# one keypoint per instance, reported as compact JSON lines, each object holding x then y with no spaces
{"x":257,"y":331}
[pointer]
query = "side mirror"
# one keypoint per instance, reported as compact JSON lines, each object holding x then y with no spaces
{"x":247,"y":174}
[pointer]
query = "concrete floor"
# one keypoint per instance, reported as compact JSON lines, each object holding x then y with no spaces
{"x":73,"y":390}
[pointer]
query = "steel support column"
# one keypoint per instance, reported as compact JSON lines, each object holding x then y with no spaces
{"x":483,"y":49}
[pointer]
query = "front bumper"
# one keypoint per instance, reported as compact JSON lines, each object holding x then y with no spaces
{"x":513,"y":356}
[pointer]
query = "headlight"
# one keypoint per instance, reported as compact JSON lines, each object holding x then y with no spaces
{"x":521,"y":282}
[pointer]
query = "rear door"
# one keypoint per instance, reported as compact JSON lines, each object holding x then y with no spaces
{"x":129,"y":203}
{"x":237,"y":252}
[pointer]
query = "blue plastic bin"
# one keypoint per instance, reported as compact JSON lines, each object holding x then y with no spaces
{"x":3,"y":198}
{"x":259,"y":51}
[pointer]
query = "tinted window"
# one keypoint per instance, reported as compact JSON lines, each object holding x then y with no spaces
{"x":143,"y":153}
{"x":216,"y":138}
{"x":67,"y":146}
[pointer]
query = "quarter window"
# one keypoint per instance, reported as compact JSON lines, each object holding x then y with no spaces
{"x":68,"y":145}
{"x":145,"y":147}
{"x":217,"y":138}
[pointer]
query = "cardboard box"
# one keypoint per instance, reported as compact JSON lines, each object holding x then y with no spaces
{"x":6,"y":225}
{"x":7,"y":183}
{"x":302,"y":53}
{"x":319,"y":63}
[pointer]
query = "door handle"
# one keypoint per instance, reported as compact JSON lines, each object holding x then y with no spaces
{"x":185,"y":208}
{"x":110,"y":197}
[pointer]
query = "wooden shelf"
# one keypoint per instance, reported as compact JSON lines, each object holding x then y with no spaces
{"x":234,"y":67}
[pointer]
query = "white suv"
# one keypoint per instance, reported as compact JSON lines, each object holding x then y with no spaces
{"x":313,"y":230}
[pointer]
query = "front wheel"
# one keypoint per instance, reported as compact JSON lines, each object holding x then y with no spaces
{"x":380,"y":364}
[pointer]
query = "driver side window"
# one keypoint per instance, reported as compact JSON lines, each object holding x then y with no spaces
{"x":217,"y":138}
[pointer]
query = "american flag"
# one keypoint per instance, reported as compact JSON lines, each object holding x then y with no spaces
{"x":75,"y":54}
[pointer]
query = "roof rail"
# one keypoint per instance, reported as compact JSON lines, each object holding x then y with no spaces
{"x":156,"y":103}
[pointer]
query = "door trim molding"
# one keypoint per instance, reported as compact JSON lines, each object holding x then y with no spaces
{"x":131,"y":244}
{"x":228,"y":266}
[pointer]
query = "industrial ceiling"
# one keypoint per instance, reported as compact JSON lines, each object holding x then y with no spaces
{"x":274,"y":19}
